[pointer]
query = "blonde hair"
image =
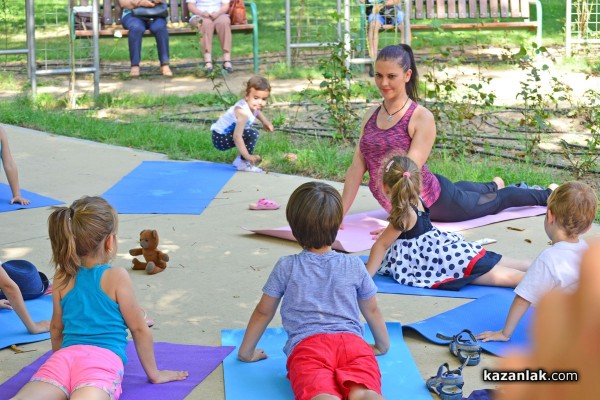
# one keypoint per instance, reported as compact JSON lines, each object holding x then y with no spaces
{"x":574,"y":205}
{"x":257,"y":83}
{"x":403,"y":178}
{"x":79,"y":231}
{"x":315,"y":213}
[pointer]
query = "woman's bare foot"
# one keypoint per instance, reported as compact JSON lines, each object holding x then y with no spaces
{"x":166,"y":70}
{"x":135,"y":71}
{"x":499,"y":182}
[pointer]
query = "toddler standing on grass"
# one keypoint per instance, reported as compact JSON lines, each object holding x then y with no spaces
{"x":323,"y":294}
{"x":234,"y":128}
{"x":415,"y":253}
{"x":571,"y":211}
{"x":94,"y":305}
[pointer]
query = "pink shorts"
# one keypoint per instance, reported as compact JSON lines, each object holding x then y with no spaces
{"x":332,"y":363}
{"x":78,"y":366}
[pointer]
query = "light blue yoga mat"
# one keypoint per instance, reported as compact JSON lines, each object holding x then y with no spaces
{"x":12,"y":329}
{"x":266,"y":379}
{"x":37,"y":200}
{"x":169,"y":187}
{"x":386,"y":284}
{"x":487,"y":313}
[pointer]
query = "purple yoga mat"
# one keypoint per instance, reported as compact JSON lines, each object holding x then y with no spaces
{"x":199,"y":361}
{"x":355,"y":235}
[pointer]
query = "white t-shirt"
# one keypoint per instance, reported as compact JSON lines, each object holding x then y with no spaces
{"x":556,"y":267}
{"x":226,"y":122}
{"x":209,"y":6}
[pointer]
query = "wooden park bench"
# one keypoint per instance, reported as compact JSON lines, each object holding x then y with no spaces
{"x":110,"y":22}
{"x":461,"y":15}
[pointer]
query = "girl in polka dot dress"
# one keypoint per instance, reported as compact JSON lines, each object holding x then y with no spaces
{"x":234,"y":128}
{"x":415,"y":253}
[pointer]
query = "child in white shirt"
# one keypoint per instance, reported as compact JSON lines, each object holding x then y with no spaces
{"x":571,"y":212}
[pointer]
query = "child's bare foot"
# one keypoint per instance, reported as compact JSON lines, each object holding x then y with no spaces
{"x":552,"y":186}
{"x":135,"y":71}
{"x":499,"y":182}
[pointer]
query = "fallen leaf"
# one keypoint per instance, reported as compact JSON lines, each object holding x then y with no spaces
{"x":515,"y":229}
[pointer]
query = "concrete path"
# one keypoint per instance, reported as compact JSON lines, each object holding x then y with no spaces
{"x":217,"y":269}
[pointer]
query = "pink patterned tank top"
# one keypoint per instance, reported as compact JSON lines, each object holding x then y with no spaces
{"x":377,"y":144}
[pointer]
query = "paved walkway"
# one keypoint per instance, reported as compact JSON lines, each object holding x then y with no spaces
{"x":217,"y":269}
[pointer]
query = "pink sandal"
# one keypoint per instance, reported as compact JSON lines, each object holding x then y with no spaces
{"x":264,"y":204}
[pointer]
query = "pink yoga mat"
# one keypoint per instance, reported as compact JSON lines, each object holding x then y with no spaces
{"x":355,"y":236}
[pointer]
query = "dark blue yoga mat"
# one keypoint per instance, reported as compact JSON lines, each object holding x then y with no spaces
{"x":487,"y":313}
{"x":37,"y":200}
{"x":12,"y":329}
{"x":266,"y":379}
{"x":386,"y":284}
{"x":169,"y":187}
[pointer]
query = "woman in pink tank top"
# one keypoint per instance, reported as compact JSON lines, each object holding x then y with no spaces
{"x":400,"y":126}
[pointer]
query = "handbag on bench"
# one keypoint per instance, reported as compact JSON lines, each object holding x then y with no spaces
{"x":237,"y":12}
{"x":161,"y":10}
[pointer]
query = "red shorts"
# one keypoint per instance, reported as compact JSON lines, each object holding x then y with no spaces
{"x":331,"y":363}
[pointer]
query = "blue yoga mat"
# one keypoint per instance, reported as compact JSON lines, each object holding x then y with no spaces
{"x":14,"y":331}
{"x":266,"y":379}
{"x":37,"y":200}
{"x":169,"y":187}
{"x":487,"y":313}
{"x":386,"y":284}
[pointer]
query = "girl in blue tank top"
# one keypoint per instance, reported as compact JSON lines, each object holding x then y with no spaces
{"x":94,"y":305}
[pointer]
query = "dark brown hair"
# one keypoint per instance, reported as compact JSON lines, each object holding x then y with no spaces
{"x":257,"y":83}
{"x":315,"y":213}
{"x":403,"y":55}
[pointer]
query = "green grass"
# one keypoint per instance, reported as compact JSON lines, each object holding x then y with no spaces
{"x":317,"y":26}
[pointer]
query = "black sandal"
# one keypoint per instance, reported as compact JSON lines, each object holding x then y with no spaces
{"x":207,"y":68}
{"x":228,"y":69}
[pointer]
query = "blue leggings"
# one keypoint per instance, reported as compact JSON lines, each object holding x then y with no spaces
{"x":225,"y":141}
{"x":464,"y":200}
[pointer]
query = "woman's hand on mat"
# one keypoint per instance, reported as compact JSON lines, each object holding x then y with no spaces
{"x":166,"y":375}
{"x":493,"y":336}
{"x":377,"y":232}
{"x":5,"y":304}
{"x":258,"y":355}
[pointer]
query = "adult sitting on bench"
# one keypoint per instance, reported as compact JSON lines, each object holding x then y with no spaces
{"x":210,"y":16}
{"x":137,"y":26}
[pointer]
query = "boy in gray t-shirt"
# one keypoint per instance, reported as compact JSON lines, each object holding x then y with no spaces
{"x":323,"y":294}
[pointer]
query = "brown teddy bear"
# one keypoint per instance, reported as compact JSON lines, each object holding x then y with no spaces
{"x":156,"y":260}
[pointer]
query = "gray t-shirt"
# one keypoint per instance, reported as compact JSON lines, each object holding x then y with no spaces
{"x":320,"y":294}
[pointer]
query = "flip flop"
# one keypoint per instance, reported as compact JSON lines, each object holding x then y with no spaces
{"x":264,"y":204}
{"x":149,"y":321}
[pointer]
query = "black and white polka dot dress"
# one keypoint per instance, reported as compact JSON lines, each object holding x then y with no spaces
{"x":426,"y":257}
